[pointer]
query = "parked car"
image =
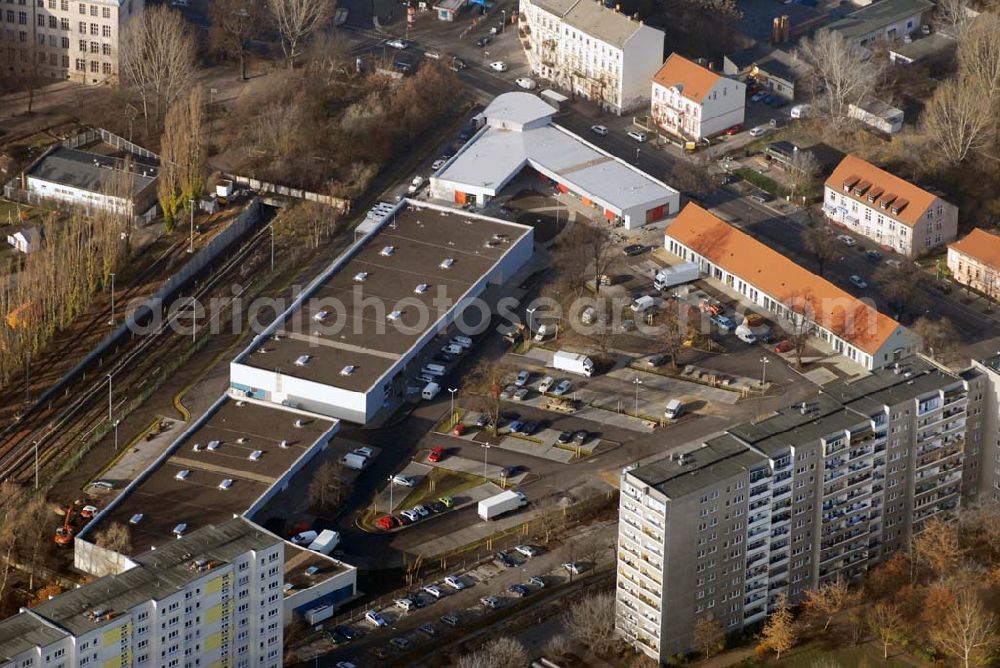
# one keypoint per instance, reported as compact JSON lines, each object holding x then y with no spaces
{"x":529,"y":427}
{"x":758,"y":96}
{"x":874,"y":255}
{"x":491,"y":602}
{"x":564,"y":437}
{"x":581,"y":436}
{"x":562,"y":388}
{"x":724,"y":323}
{"x":457,"y":430}
{"x":438,"y":164}
{"x":573,"y":567}
{"x":451,"y":619}
{"x":403,"y":481}
{"x":526,"y":83}
{"x":446,"y":501}
{"x":483,"y":41}
{"x":515,"y":427}
{"x":522,"y":378}
{"x":759,"y":131}
{"x":656,"y":360}
{"x":508,"y":392}
{"x":405,"y":604}
{"x":458,"y":64}
{"x":736,"y":129}
{"x":761,"y":197}
{"x":634,"y":249}
{"x":599,"y":130}
{"x":768,"y":100}
{"x":421,"y":511}
{"x":784,"y":346}
{"x":519,"y":590}
{"x":401,"y":644}
{"x":411,"y":515}
{"x":436,"y":507}
{"x":637,"y":135}
{"x":434,"y":591}
{"x":521,"y":394}
{"x":858,"y":282}
{"x":483,"y":421}
{"x":386,"y":522}
{"x":546,"y":384}
{"x":505,"y":559}
{"x":416,"y":184}
{"x":526,"y":550}
{"x":400,"y":44}
{"x":372,"y":617}
{"x":403,"y":66}
{"x":847,"y":240}
{"x":498,"y":66}
{"x":894,"y":263}
{"x":537,"y":580}
{"x":428,"y":629}
{"x":455,"y":583}
{"x":438,"y":453}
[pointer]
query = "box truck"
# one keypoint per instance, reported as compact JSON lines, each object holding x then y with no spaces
{"x":678,"y":274}
{"x":325,"y":541}
{"x":504,"y":502}
{"x":573,"y":363}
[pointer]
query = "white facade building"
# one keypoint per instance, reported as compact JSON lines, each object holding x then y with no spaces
{"x":693,"y":101}
{"x":65,"y":39}
{"x":594,"y":52}
{"x":889,"y":210}
{"x":215,"y":595}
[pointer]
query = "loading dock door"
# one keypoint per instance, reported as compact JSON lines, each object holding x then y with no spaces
{"x":459,"y":197}
{"x":654,"y":214}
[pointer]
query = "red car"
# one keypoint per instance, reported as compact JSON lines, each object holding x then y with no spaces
{"x":458,"y":430}
{"x":386,"y":522}
{"x":784,"y":346}
{"x":735,"y":129}
{"x":438,"y":453}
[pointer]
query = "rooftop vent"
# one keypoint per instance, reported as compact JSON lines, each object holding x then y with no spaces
{"x":447,"y":262}
{"x":850,"y":181}
{"x":213,"y":445}
{"x":256,"y":455}
{"x":898,"y":206}
{"x":197,"y":447}
{"x":312,"y":570}
{"x":300,"y":423}
{"x":347,"y":370}
{"x":283,"y":444}
{"x":276,"y":337}
{"x":421,"y":289}
{"x":321,"y":315}
{"x":262,"y":350}
{"x":98,"y":613}
{"x":288,"y":587}
{"x":862,"y":188}
{"x":182,"y":474}
{"x":226,"y":484}
{"x":180,"y":529}
{"x":387,"y":251}
{"x":135,"y":519}
{"x":361,"y":276}
{"x":200,"y":565}
{"x":302,"y":360}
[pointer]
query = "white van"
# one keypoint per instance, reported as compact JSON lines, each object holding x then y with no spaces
{"x":744,"y":334}
{"x":463,"y":341}
{"x":643,"y":304}
{"x":674,"y":409}
{"x":430,"y":391}
{"x":800,"y":111}
{"x":587,"y":317}
{"x":433,"y":370}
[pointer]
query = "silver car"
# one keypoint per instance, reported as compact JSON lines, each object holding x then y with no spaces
{"x":562,"y":388}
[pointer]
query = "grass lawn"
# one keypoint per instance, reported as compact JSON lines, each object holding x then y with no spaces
{"x":867,"y":654}
{"x":9,"y":210}
{"x":439,"y":482}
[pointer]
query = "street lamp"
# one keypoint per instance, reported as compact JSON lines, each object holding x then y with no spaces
{"x":763,"y":372}
{"x":191,"y":204}
{"x":530,"y":312}
{"x":117,"y":422}
{"x":35,"y":443}
{"x":391,"y":504}
{"x":109,"y":397}
{"x":112,"y":321}
{"x":637,"y":382}
{"x":503,"y":22}
{"x":486,"y":452}
{"x":637,"y":155}
{"x":452,"y":390}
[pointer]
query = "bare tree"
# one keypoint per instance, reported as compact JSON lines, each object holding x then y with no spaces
{"x":802,"y":314}
{"x":846,"y":73}
{"x":979,"y":55}
{"x":886,"y":622}
{"x":591,"y":620}
{"x":802,"y":170}
{"x":959,"y":119}
{"x":951,"y":14}
{"x":939,"y":337}
{"x":486,"y":381}
{"x":12,"y":529}
{"x":326,"y":489}
{"x":234,"y":24}
{"x":823,"y":245}
{"x":937,"y":546}
{"x":557,"y":646}
{"x":588,"y":250}
{"x":296,"y":21}
{"x":829,"y":600}
{"x":709,"y":637}
{"x":779,"y":633}
{"x":966,"y":630}
{"x":678,"y":324}
{"x":116,"y":538}
{"x":903,"y":286}
{"x":504,"y":652}
{"x":157,"y":58}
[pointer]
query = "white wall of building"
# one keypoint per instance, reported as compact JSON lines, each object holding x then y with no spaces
{"x":722,"y":108}
{"x":643,"y":56}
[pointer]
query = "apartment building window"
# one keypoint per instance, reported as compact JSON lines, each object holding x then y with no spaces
{"x":83,"y":8}
{"x":65,"y":59}
{"x":95,"y":29}
{"x":22,"y":18}
{"x":81,"y":65}
{"x":95,"y":47}
{"x":106,"y":49}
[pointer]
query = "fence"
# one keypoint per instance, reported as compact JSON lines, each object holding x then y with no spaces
{"x":111,"y":139}
{"x":342,"y":205}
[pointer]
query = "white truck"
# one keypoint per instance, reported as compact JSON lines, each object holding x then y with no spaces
{"x":504,"y":502}
{"x":573,"y":363}
{"x":353,"y":460}
{"x":678,"y":274}
{"x":325,"y":541}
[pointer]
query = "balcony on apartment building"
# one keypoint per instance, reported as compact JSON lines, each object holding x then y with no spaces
{"x":759,"y":492}
{"x":944,"y":447}
{"x":758,"y":517}
{"x":931,"y":511}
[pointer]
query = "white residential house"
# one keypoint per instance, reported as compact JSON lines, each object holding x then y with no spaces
{"x":890,"y":211}
{"x":594,"y":52}
{"x":693,"y":101}
{"x":26,"y":240}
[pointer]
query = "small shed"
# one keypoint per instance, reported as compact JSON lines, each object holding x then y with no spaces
{"x":447,"y":10}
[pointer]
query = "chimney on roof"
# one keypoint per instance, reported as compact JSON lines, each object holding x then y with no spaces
{"x":786,"y":27}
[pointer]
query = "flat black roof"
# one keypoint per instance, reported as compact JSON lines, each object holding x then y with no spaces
{"x":715,"y":461}
{"x":359,"y":329}
{"x":92,"y":172}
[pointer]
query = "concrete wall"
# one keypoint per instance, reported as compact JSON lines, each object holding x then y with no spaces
{"x":642,"y":57}
{"x":333,"y":591}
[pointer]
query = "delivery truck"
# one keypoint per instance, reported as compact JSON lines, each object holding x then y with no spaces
{"x":353,"y":460}
{"x":573,"y":363}
{"x":504,"y":502}
{"x":325,"y":541}
{"x":679,"y":274}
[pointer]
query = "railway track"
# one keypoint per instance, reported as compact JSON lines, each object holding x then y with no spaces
{"x":59,"y":431}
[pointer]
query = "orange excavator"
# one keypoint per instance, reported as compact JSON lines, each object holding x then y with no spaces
{"x":64,"y":534}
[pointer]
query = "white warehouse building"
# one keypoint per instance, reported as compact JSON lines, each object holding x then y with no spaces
{"x":351,"y":343}
{"x":517,"y":134}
